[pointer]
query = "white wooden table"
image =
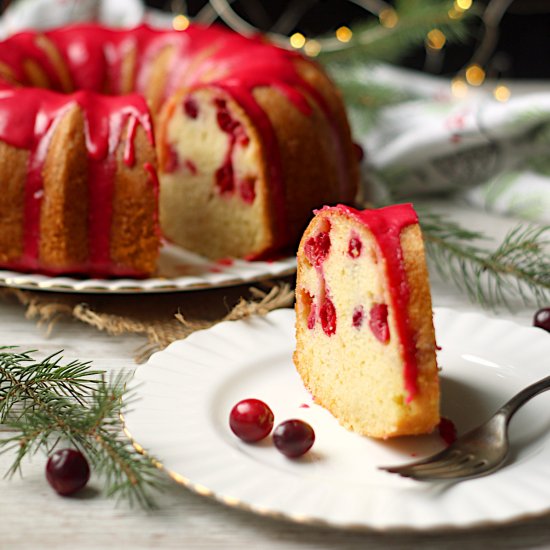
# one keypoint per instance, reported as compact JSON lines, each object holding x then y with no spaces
{"x":32,"y":516}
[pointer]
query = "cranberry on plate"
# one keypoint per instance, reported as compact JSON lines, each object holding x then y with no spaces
{"x":251,"y":420}
{"x":293,"y":437}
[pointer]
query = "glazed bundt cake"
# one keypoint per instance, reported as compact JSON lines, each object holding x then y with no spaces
{"x":365,"y":344}
{"x":249,"y":139}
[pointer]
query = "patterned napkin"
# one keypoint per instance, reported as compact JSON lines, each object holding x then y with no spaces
{"x":494,"y":154}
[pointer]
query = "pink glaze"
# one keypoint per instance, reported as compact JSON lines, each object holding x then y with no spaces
{"x":386,"y":225}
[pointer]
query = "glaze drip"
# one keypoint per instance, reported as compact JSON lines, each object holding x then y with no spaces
{"x":386,"y":225}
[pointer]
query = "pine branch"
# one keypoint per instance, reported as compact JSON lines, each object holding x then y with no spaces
{"x":44,"y":402}
{"x":372,"y":41}
{"x":518,"y":268}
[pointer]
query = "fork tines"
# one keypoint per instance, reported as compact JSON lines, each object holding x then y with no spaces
{"x":447,"y":465}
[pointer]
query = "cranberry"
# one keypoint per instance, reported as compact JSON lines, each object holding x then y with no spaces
{"x":542,"y":319}
{"x":171,"y":163}
{"x":248,"y":190}
{"x":378,"y":322}
{"x":191,"y":167}
{"x":191,"y":108}
{"x":357,"y":317}
{"x":67,"y":471}
{"x":226,"y":122}
{"x":317,"y":248}
{"x":220,"y":103}
{"x":354,"y":247}
{"x":447,"y":430}
{"x":293,"y":438}
{"x":225,"y":179}
{"x":327,"y":314}
{"x":312,"y":317}
{"x":251,"y":420}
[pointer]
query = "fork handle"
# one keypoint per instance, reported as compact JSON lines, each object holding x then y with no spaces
{"x":508,"y":409}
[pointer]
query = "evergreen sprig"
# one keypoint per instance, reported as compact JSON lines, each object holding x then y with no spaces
{"x":518,"y":268}
{"x":373,"y":42}
{"x":45,"y":402}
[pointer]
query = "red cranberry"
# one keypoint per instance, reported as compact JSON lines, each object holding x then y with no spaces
{"x":317,"y":248}
{"x":67,"y":471}
{"x":293,"y":438}
{"x":357,"y":318}
{"x":542,"y":319}
{"x":327,"y":314}
{"x":171,"y":163}
{"x":191,"y":108}
{"x":447,"y":430}
{"x":225,"y":122}
{"x":354,"y":247}
{"x":248,"y":190}
{"x":251,"y":420}
{"x":191,"y":167}
{"x":378,"y":322}
{"x":220,"y":103}
{"x":224,"y":178}
{"x":312,"y":317}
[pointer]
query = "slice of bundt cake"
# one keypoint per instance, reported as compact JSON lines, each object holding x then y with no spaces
{"x":365,"y":344}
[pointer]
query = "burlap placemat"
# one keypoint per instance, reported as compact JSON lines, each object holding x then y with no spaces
{"x":160,"y":318}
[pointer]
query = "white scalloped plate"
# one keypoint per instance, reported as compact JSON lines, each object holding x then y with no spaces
{"x":178,"y":270}
{"x":187,"y":391}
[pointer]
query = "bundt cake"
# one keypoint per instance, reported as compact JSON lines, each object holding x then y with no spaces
{"x":249,"y":138}
{"x":365,"y":344}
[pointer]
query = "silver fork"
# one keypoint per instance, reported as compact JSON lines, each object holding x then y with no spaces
{"x":478,"y":452}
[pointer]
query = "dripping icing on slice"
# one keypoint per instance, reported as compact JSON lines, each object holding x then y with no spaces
{"x":386,"y":225}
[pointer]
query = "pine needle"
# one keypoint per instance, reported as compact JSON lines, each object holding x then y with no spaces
{"x":45,"y":402}
{"x":519,"y":268}
{"x":372,"y":41}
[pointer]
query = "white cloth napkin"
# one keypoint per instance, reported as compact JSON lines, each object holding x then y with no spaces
{"x":44,"y":14}
{"x":496,"y":154}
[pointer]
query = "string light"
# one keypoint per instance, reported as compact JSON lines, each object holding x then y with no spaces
{"x":502,"y":93}
{"x":463,"y":5}
{"x":344,"y":34}
{"x":475,"y":75}
{"x":297,"y":40}
{"x":435,"y":39}
{"x":312,"y":48}
{"x":180,"y":22}
{"x":388,"y":18}
{"x":459,"y":88}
